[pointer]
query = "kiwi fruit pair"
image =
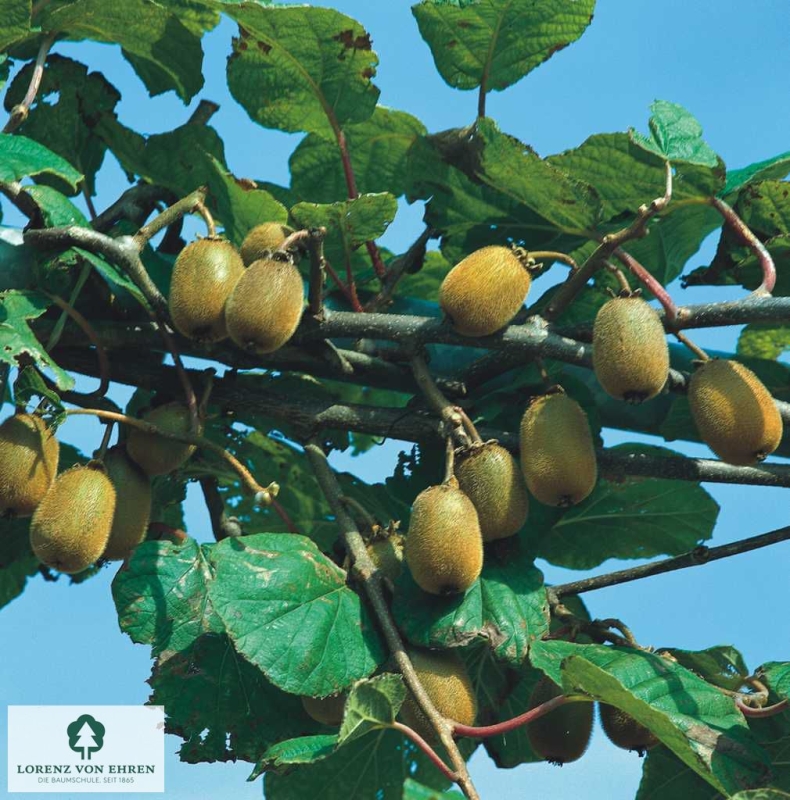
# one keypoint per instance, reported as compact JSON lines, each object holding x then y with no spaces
{"x":734,"y":412}
{"x":263,"y":240}
{"x":156,"y":455}
{"x":132,"y":504}
{"x":444,"y":546}
{"x":484,"y":291}
{"x":630,"y":351}
{"x":490,"y":477}
{"x":29,"y":454}
{"x":557,"y":450}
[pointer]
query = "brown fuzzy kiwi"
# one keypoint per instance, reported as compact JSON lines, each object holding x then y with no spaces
{"x":734,"y":412}
{"x":264,"y":309}
{"x":204,"y":275}
{"x":326,"y":710}
{"x":444,"y":547}
{"x":624,"y":731}
{"x":490,"y":477}
{"x":630,"y":351}
{"x":71,"y":526}
{"x":29,"y":455}
{"x":132,"y":506}
{"x":562,"y":735}
{"x":155,"y":454}
{"x":557,"y":451}
{"x":444,"y":677}
{"x":262,"y":240}
{"x":387,"y":555}
{"x":485,"y":290}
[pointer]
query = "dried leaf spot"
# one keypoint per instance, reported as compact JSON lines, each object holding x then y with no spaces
{"x":248,"y":184}
{"x":351,"y":42}
{"x":452,"y":43}
{"x":557,"y":48}
{"x":368,"y":72}
{"x":263,"y":47}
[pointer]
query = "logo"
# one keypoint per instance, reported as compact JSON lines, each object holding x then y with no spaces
{"x":86,"y":736}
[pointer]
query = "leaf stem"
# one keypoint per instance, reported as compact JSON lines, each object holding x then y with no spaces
{"x":762,"y":713}
{"x":650,"y":282}
{"x":500,"y":728}
{"x":426,"y":748}
{"x":20,"y":111}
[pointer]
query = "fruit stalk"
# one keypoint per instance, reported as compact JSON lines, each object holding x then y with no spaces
{"x":649,"y":281}
{"x":371,"y":580}
{"x":186,"y":205}
{"x":437,"y":401}
{"x":314,"y":239}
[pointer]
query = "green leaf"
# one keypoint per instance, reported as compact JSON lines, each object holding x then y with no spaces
{"x":506,"y":607}
{"x":776,"y":167}
{"x":301,"y":69}
{"x":16,"y":337}
{"x":304,"y":750}
{"x":765,"y":207}
{"x":377,"y":148}
{"x":162,"y":40}
{"x":722,"y":666}
{"x":372,"y":705}
{"x":17,"y":562}
{"x":288,"y":611}
{"x":761,"y":794}
{"x":777,"y":675}
{"x":21,"y":157}
{"x":676,"y":135}
{"x":634,"y":518}
{"x":356,"y":221}
{"x":161,"y":595}
{"x":211,"y":694}
{"x":498,"y":42}
{"x":763,"y":340}
{"x":695,"y":720}
{"x":664,"y":775}
{"x":56,"y":209}
{"x":425,"y":283}
{"x":16,"y":21}
{"x":416,"y":791}
{"x":29,"y":384}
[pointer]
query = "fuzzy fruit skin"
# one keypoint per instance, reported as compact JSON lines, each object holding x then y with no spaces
{"x":204,"y":275}
{"x":132,"y":504}
{"x":265,"y":308}
{"x":562,"y":735}
{"x":29,"y":454}
{"x":262,"y":239}
{"x":630,"y":351}
{"x":71,"y":526}
{"x":484,"y":291}
{"x":490,"y":477}
{"x":557,"y":451}
{"x":326,"y":710}
{"x":446,"y":681}
{"x":624,"y":731}
{"x":155,"y":454}
{"x":387,"y":555}
{"x":444,"y":547}
{"x":734,"y":412}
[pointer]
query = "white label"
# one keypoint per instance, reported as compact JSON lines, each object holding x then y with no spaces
{"x":70,"y":749}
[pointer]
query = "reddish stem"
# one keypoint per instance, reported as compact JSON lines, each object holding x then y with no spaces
{"x":745,"y":234}
{"x":649,"y":281}
{"x":508,"y":725}
{"x":285,"y":517}
{"x":350,"y":295}
{"x":427,"y":749}
{"x":758,"y":713}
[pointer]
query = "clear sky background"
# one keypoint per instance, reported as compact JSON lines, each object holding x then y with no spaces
{"x":727,"y":62}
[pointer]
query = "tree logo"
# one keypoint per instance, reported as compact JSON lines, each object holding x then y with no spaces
{"x":86,"y":736}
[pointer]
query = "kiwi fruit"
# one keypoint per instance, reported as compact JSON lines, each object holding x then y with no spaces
{"x":490,"y":477}
{"x":132,"y":505}
{"x":29,"y":455}
{"x":562,"y":735}
{"x":155,"y":454}
{"x":630,"y":351}
{"x":557,"y":451}
{"x":734,"y":412}
{"x":262,"y":240}
{"x":204,"y":275}
{"x":387,"y":555}
{"x":326,"y":710}
{"x":484,"y":291}
{"x":444,"y":547}
{"x":444,"y":677}
{"x":624,"y":731}
{"x":264,"y":309}
{"x":71,"y":526}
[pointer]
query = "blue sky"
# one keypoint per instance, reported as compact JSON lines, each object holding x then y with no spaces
{"x":728,"y":63}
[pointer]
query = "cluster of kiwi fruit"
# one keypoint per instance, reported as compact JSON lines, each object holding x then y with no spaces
{"x":98,"y":510}
{"x":255,"y":296}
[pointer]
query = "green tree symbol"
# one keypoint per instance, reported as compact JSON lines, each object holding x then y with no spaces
{"x":86,"y":736}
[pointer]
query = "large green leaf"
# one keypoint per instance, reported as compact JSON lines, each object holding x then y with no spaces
{"x":776,"y":167}
{"x":722,"y":665}
{"x":17,"y":562}
{"x":765,"y":207}
{"x":695,"y":720}
{"x":18,"y":340}
{"x":161,"y":595}
{"x":288,"y":611}
{"x":506,"y":607}
{"x":372,"y":705}
{"x":161,"y":40}
{"x":777,"y":675}
{"x":211,"y":695}
{"x":15,"y":15}
{"x":304,"y":750}
{"x":301,"y":69}
{"x":377,"y":148}
{"x":494,"y":43}
{"x":764,"y":341}
{"x":416,"y":791}
{"x":635,"y":518}
{"x":21,"y":157}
